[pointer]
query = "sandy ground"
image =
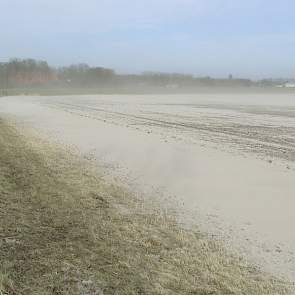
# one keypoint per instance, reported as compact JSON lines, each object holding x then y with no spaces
{"x":224,"y":162}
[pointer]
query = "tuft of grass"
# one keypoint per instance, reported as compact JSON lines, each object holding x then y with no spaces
{"x":6,"y":285}
{"x":64,"y":230}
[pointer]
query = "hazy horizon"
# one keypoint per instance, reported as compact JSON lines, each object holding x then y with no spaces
{"x":204,"y":38}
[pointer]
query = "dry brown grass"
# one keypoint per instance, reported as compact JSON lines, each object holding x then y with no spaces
{"x":62,"y":232}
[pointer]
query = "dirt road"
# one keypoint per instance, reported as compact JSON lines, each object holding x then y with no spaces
{"x":224,"y":162}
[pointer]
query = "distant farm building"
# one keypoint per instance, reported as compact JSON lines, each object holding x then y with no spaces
{"x":286,"y":85}
{"x":289,"y":85}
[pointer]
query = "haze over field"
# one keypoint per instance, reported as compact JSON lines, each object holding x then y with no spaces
{"x":224,"y":162}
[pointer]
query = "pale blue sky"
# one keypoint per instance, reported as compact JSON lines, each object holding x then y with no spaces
{"x":251,"y":38}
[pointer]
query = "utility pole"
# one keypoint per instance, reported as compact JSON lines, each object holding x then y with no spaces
{"x":6,"y":79}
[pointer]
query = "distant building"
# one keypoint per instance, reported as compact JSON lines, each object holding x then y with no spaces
{"x":286,"y":85}
{"x":289,"y":85}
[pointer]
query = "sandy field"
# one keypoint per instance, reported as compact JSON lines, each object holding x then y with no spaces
{"x":223,"y":163}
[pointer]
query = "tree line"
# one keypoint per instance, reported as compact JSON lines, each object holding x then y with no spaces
{"x":35,"y":73}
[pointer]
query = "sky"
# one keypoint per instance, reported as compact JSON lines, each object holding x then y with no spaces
{"x":246,"y":38}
